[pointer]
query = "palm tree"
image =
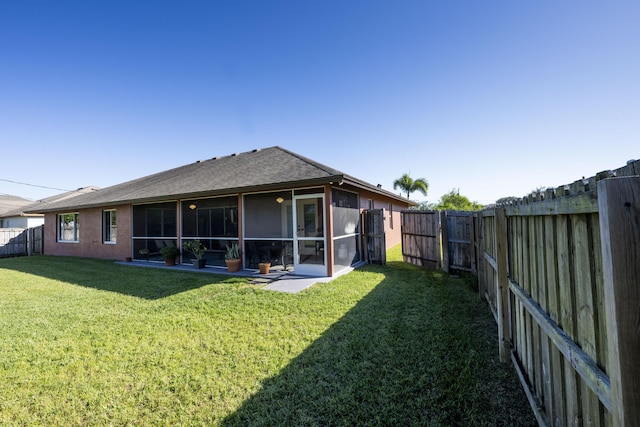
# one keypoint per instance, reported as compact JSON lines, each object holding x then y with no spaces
{"x":409,"y":185}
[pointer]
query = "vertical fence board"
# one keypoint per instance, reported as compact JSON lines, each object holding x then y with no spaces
{"x":535,"y":285}
{"x":473,"y":254}
{"x":597,"y":273}
{"x":556,"y":414}
{"x":599,"y":293}
{"x":567,"y":319}
{"x":502,"y":284}
{"x":545,"y":344}
{"x":586,"y":315}
{"x":444,"y":237}
{"x":491,"y":278}
{"x":520,"y":278}
{"x":482,"y":288}
{"x":528,"y":330}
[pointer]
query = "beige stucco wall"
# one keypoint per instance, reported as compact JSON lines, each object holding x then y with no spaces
{"x":90,"y":230}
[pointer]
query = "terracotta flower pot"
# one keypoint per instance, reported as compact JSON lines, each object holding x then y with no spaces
{"x":264,"y":267}
{"x":233,"y":265}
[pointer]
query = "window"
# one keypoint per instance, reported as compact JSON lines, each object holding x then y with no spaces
{"x":109,"y":226}
{"x":391,"y":216}
{"x":68,"y":230}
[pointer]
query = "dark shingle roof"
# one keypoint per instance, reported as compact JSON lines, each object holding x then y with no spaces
{"x":260,"y":169}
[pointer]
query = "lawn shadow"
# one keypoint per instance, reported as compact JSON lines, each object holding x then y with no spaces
{"x":147,"y":283}
{"x":405,"y":354}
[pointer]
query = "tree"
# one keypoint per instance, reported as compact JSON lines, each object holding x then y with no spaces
{"x":426,"y":206}
{"x":454,"y":201}
{"x":409,"y":185}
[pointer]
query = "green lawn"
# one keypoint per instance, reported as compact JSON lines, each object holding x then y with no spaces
{"x":87,"y":342}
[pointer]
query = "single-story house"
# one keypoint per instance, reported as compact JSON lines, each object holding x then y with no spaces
{"x":12,"y":215}
{"x":278,"y":206}
{"x":18,"y":219}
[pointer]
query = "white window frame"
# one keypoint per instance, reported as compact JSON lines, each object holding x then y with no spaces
{"x":109,"y":228}
{"x":76,"y":231}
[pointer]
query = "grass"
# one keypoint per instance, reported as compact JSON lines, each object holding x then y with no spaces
{"x":88,"y":342}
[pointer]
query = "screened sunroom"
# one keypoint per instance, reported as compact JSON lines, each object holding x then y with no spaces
{"x":284,"y":228}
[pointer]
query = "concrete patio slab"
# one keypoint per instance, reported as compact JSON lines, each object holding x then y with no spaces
{"x":294,"y":284}
{"x":276,"y":280}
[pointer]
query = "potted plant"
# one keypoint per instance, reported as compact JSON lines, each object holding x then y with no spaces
{"x":169,"y":253}
{"x":232,"y":258}
{"x":197,"y":249}
{"x":264,"y":267}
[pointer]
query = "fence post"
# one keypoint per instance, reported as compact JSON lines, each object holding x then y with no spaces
{"x":472,"y":250}
{"x":482,"y":288}
{"x":502,"y":284}
{"x":619,"y":207}
{"x":444,"y":234}
{"x":30,"y":241}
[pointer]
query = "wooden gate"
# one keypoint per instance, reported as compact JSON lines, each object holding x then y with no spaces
{"x":458,"y":241}
{"x":35,"y":240}
{"x":374,"y":236}
{"x":421,"y":238}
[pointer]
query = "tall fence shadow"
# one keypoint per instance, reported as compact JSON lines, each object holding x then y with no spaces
{"x":394,"y":359}
{"x":147,"y":283}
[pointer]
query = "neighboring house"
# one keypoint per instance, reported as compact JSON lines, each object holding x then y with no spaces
{"x":18,"y":219}
{"x":11,"y":215}
{"x":275,"y":204}
{"x":13,"y":209}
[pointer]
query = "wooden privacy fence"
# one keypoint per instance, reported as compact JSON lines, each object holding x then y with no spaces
{"x":458,"y":250}
{"x":561,"y":272}
{"x":421,"y":238}
{"x":21,"y":241}
{"x":439,"y":239}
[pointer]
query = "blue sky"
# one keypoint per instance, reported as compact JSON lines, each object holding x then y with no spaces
{"x":495,"y":98}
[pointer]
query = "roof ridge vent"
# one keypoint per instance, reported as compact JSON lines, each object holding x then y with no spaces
{"x":255,"y":150}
